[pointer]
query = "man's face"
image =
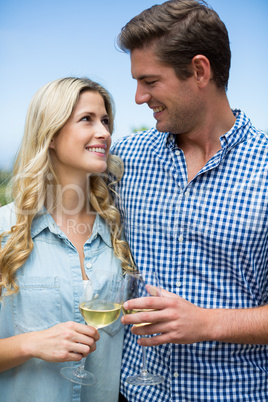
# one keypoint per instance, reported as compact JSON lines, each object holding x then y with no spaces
{"x":174,"y":101}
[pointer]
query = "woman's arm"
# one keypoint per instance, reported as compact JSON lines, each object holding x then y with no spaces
{"x":67,"y":341}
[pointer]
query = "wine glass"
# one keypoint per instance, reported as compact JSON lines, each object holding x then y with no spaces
{"x":100,"y":305}
{"x":137,"y":286}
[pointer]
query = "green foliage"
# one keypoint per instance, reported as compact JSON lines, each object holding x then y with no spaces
{"x":4,"y":180}
{"x":136,"y":129}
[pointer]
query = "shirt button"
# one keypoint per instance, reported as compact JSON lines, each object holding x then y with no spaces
{"x":178,"y":284}
{"x":177,"y":152}
{"x":180,"y":238}
{"x":176,"y":375}
{"x":186,"y":194}
{"x":89,"y":265}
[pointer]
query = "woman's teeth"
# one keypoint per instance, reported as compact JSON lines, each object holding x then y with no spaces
{"x":99,"y":150}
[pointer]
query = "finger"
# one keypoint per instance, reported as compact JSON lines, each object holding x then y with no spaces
{"x":152,"y":317}
{"x":85,"y":350}
{"x":142,"y":303}
{"x":93,"y":348}
{"x":165,"y":293}
{"x":141,"y":318}
{"x":153,"y":290}
{"x":149,"y":329}
{"x":82,"y":349}
{"x":154,"y":341}
{"x":89,"y":331}
{"x":74,"y":357}
{"x":85,"y":339}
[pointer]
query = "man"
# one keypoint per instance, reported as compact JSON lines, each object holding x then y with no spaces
{"x":194,"y":202}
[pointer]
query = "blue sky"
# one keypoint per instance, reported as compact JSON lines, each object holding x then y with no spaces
{"x":46,"y":40}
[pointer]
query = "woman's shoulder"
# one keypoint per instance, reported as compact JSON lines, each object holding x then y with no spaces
{"x":7,"y":217}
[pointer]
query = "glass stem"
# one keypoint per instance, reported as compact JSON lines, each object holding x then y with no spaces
{"x":144,"y":360}
{"x":82,"y":365}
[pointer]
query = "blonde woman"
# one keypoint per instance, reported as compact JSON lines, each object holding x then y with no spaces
{"x":61,"y":227}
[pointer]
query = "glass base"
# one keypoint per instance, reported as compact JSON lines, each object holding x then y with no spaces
{"x":78,"y":376}
{"x":145,"y":378}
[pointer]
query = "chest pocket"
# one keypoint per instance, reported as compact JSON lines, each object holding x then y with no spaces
{"x":37,"y":306}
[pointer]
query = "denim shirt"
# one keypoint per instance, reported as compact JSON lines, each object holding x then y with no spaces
{"x":50,"y":287}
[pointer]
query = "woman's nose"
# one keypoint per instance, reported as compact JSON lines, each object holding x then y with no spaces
{"x":102,"y":131}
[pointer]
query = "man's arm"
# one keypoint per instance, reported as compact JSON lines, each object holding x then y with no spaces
{"x":178,"y":321}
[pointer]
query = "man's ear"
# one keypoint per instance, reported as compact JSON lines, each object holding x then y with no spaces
{"x":202,"y":70}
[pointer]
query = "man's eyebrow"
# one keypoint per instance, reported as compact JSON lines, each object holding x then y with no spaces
{"x":145,"y":76}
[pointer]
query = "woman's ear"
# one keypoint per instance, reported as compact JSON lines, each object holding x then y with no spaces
{"x":202,"y":70}
{"x":51,"y":145}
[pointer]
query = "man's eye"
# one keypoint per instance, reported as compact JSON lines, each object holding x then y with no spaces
{"x":150,"y":82}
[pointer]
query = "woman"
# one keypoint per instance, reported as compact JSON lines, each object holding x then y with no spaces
{"x":61,"y":226}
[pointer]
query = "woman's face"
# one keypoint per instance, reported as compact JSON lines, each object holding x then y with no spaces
{"x":82,"y":145}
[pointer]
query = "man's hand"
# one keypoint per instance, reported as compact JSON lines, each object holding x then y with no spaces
{"x":174,"y":319}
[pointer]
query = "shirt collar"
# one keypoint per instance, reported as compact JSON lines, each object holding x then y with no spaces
{"x":40,"y":222}
{"x":100,"y":228}
{"x":228,"y":140}
{"x":43,"y":220}
{"x":156,"y":139}
{"x":238,"y":132}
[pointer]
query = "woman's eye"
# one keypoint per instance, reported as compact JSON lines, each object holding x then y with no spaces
{"x":86,"y":118}
{"x":105,"y":121}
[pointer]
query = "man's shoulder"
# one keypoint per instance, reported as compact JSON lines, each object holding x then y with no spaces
{"x":245,"y":137}
{"x":135,"y":141}
{"x":261,"y":135}
{"x":257,"y":140}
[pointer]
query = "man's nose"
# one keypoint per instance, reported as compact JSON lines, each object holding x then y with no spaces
{"x":141,"y":96}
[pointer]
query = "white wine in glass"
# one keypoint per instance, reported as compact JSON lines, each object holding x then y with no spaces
{"x":136,"y":286}
{"x":100,"y":313}
{"x":100,"y":305}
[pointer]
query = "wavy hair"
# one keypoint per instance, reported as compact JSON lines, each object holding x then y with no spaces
{"x":181,"y":29}
{"x":33,"y":174}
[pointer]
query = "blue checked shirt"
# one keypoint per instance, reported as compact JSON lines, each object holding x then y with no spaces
{"x":207,"y":241}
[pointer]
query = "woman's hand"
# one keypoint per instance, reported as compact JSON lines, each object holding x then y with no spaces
{"x":64,"y":342}
{"x":67,"y":341}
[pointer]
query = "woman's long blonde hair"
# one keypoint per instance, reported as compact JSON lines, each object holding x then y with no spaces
{"x":33,"y":172}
